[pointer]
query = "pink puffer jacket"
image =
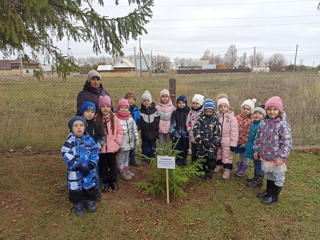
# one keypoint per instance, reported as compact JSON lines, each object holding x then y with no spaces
{"x":230,"y":135}
{"x":113,"y":141}
{"x":165,"y":112}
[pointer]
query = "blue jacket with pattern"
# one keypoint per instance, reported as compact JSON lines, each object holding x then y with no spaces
{"x":78,"y":150}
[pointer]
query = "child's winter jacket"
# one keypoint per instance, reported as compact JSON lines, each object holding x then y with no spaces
{"x":193,"y":116}
{"x":80,"y":150}
{"x":244,"y":124}
{"x":230,"y":135}
{"x":178,"y":123}
{"x":113,"y":141}
{"x":208,"y":130}
{"x":273,"y":139}
{"x":252,"y":135}
{"x":130,"y":134}
{"x":135,"y":113}
{"x":149,"y":122}
{"x":165,"y":112}
{"x":95,"y":131}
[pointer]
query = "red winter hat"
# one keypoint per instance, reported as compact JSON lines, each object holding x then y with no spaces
{"x":274,"y":102}
{"x":104,"y":100}
{"x":123,"y":102}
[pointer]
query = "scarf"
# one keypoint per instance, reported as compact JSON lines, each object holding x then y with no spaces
{"x":123,"y":115}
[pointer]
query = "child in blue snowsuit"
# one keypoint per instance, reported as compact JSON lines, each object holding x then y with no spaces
{"x":80,"y":154}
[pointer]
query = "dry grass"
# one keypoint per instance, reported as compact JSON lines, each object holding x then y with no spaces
{"x":35,"y":113}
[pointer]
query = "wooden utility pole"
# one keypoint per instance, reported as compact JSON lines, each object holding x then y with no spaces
{"x":172,"y":90}
{"x":140,"y":57}
{"x":295,"y":59}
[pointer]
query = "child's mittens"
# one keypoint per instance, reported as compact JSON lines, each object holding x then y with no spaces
{"x":243,"y":145}
{"x":232,"y":148}
{"x":86,"y":170}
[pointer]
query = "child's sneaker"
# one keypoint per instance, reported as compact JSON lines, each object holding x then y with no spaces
{"x":78,"y":210}
{"x":89,"y":204}
{"x":125,"y":176}
{"x":129,"y":172}
{"x":226,"y":174}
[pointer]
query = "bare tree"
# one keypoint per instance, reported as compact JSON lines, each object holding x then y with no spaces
{"x":208,"y":56}
{"x":231,"y":56}
{"x":277,"y":61}
{"x":218,"y":59}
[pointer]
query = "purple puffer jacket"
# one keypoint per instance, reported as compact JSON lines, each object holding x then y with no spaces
{"x":91,"y":94}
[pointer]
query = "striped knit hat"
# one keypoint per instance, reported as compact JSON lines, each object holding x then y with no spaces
{"x":208,"y":104}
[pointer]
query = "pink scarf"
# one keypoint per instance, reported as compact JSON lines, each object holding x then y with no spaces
{"x":123,"y":115}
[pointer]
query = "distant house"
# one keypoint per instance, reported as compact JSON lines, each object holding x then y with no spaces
{"x":13,"y":67}
{"x":104,"y":68}
{"x":123,"y":65}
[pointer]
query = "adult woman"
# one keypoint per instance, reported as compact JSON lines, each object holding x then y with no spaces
{"x":92,"y":90}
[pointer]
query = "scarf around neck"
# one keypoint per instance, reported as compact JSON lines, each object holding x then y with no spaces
{"x":123,"y":115}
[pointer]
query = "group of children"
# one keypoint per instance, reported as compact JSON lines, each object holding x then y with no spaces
{"x":98,"y":136}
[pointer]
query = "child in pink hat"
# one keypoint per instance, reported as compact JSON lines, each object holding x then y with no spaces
{"x":272,"y":146}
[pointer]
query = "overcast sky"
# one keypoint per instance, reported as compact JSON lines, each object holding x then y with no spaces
{"x":186,"y":28}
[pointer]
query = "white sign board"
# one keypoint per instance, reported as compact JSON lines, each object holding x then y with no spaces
{"x":166,"y":162}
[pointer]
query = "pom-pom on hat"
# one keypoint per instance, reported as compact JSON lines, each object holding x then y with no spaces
{"x":131,"y":94}
{"x":209,"y":104}
{"x":93,"y":73}
{"x":250,"y":103}
{"x":87,"y":105}
{"x":104,"y":100}
{"x":164,"y":92}
{"x":123,"y":102}
{"x":183,"y":99}
{"x":146,"y":96}
{"x":222,"y":95}
{"x":274,"y":102}
{"x":198,"y":98}
{"x":223,"y":101}
{"x":76,"y":118}
{"x":260,"y":109}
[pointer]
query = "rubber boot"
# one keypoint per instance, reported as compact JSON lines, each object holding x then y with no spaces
{"x":251,"y":179}
{"x":267,"y":192}
{"x":114,"y":185}
{"x":226,"y":174}
{"x":273,"y":197}
{"x":219,"y":166}
{"x":243,"y":170}
{"x":105,"y":187}
{"x":97,"y":196}
{"x":134,"y":163}
{"x":257,"y":181}
{"x":239,"y":165}
{"x":208,"y":175}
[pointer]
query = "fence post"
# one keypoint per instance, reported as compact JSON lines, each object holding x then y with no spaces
{"x":172,"y":90}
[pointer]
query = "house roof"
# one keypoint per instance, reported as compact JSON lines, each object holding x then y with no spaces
{"x":104,"y":68}
{"x":5,"y":65}
{"x":123,"y":63}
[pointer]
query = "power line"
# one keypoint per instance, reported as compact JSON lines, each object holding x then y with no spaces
{"x":268,"y":25}
{"x":206,"y":19}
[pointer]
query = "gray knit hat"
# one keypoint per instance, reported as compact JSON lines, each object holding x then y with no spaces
{"x":146,"y":96}
{"x":93,"y":73}
{"x":260,"y":109}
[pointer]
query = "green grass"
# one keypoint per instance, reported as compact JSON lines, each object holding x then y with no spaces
{"x":34,"y":205}
{"x":35,"y":113}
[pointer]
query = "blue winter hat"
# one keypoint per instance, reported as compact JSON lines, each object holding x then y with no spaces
{"x":209,"y":104}
{"x":183,"y":99}
{"x":76,"y":118}
{"x":87,"y":105}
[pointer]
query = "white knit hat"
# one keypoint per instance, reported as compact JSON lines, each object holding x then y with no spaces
{"x":197,"y":98}
{"x":250,"y":103}
{"x":146,"y":96}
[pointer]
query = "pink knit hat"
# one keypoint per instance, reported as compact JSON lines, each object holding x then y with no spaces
{"x":104,"y":100}
{"x":223,"y":100}
{"x":274,"y":102}
{"x":164,"y":92}
{"x":123,"y":102}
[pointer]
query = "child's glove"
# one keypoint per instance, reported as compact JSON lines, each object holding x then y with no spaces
{"x":232,"y":148}
{"x":243,"y":145}
{"x":137,"y":143}
{"x":86,"y":170}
